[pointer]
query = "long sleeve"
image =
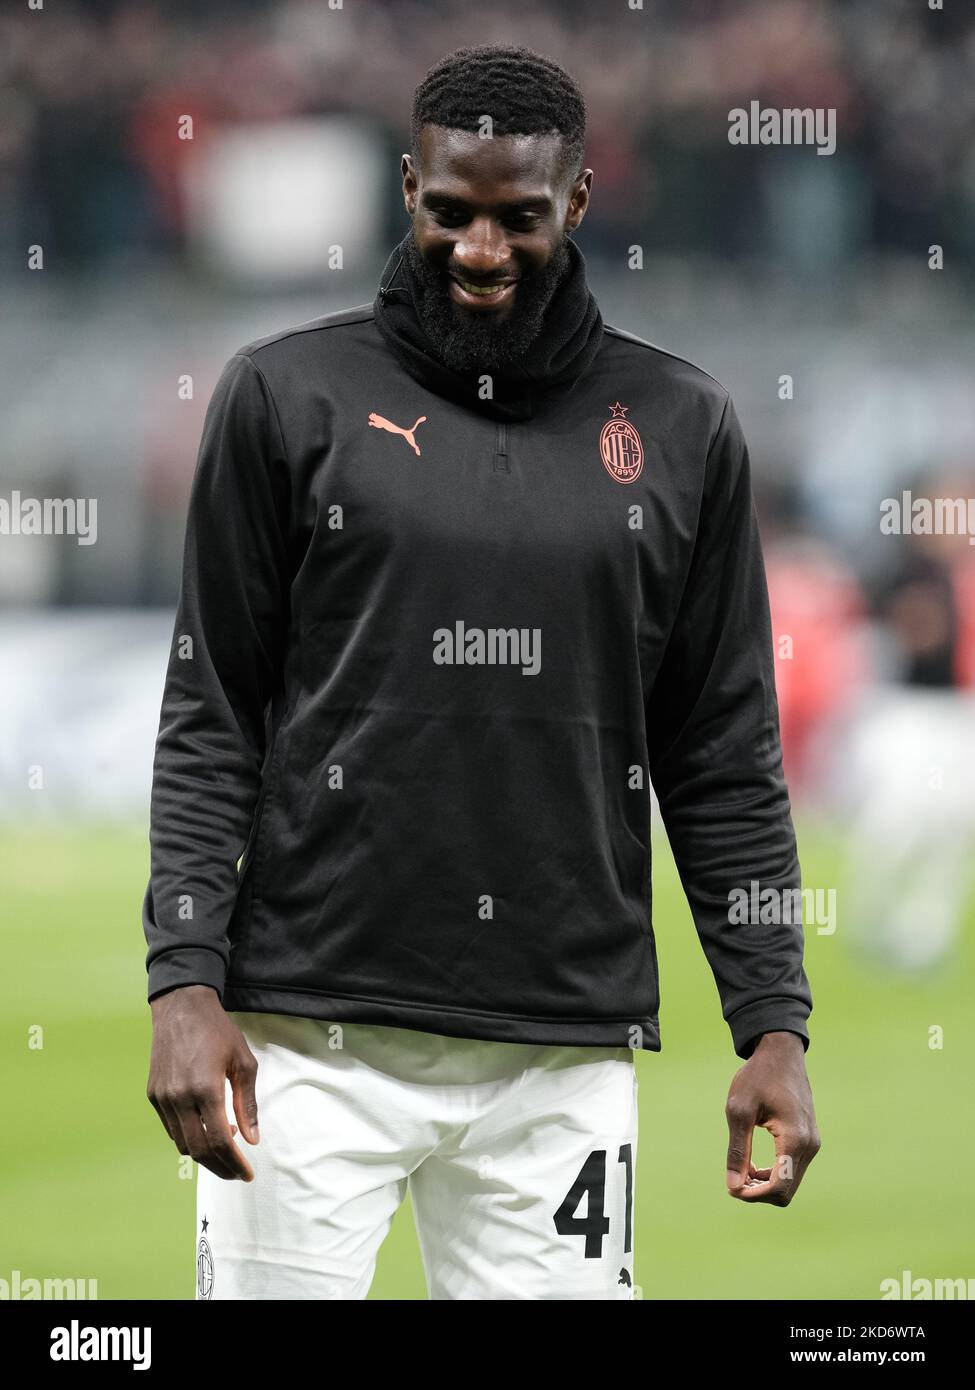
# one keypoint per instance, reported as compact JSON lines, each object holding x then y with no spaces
{"x":716,"y":763}
{"x":223,"y":668}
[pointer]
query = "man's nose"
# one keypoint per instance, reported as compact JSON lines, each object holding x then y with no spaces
{"x":481,"y":248}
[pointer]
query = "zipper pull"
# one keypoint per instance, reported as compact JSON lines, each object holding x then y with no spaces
{"x":501,"y":458}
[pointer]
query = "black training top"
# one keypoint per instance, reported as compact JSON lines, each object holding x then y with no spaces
{"x":430,"y":650}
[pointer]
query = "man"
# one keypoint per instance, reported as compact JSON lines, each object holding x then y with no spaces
{"x":463,"y":570}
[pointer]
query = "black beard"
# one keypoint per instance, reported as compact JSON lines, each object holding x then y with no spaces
{"x":469,"y":341}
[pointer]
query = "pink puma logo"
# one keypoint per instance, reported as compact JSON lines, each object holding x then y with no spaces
{"x":378,"y":423}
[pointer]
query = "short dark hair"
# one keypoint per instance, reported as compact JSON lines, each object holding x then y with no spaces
{"x":522,"y":92}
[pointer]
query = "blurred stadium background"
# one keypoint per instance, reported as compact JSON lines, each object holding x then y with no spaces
{"x":163,"y":255}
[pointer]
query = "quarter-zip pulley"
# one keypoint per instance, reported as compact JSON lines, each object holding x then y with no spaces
{"x":501,"y":453}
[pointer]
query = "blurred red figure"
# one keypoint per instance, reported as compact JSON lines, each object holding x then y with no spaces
{"x":963,"y":579}
{"x":907,"y":759}
{"x":821,"y":663}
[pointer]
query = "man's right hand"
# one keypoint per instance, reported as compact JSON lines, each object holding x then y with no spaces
{"x":195,"y":1047}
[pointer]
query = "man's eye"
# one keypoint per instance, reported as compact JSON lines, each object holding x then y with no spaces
{"x":517,"y":222}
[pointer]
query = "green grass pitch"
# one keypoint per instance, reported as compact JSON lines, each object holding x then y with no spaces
{"x":89,"y":1183}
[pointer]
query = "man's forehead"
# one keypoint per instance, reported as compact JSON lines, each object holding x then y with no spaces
{"x":530,"y":162}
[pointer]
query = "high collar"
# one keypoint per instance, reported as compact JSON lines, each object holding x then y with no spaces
{"x":569,"y":339}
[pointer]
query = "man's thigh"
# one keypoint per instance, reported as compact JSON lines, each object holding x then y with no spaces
{"x":535,"y":1200}
{"x":337,"y":1141}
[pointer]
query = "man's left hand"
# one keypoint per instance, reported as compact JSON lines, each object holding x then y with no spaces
{"x":771,"y":1090}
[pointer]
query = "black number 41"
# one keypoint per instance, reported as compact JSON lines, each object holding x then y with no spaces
{"x":595,"y":1224}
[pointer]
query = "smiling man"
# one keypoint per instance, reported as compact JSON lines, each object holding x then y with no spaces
{"x":482,"y":298}
{"x":400,"y":905}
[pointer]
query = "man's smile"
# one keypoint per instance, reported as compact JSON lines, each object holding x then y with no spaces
{"x":479,"y":296}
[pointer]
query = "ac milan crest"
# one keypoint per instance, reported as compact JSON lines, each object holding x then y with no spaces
{"x":620,"y":447}
{"x":204,"y":1266}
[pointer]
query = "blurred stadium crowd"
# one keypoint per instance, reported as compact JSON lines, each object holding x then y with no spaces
{"x":91,"y":92}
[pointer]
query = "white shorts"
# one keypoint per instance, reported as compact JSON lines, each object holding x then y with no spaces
{"x":520,"y":1162}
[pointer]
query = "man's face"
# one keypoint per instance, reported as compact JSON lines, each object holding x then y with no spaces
{"x":490,"y":220}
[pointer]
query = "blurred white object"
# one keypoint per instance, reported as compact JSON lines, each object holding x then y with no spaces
{"x":271,"y":201}
{"x":908,"y":786}
{"x":81,"y":696}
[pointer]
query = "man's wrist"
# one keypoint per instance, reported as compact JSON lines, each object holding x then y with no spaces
{"x":778,"y":1038}
{"x":182,"y":991}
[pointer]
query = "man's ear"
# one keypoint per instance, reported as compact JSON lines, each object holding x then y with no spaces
{"x":578,"y":200}
{"x":411,"y":182}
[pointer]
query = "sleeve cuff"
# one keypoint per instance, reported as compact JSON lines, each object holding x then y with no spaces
{"x":189,"y":965}
{"x":768,"y":1016}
